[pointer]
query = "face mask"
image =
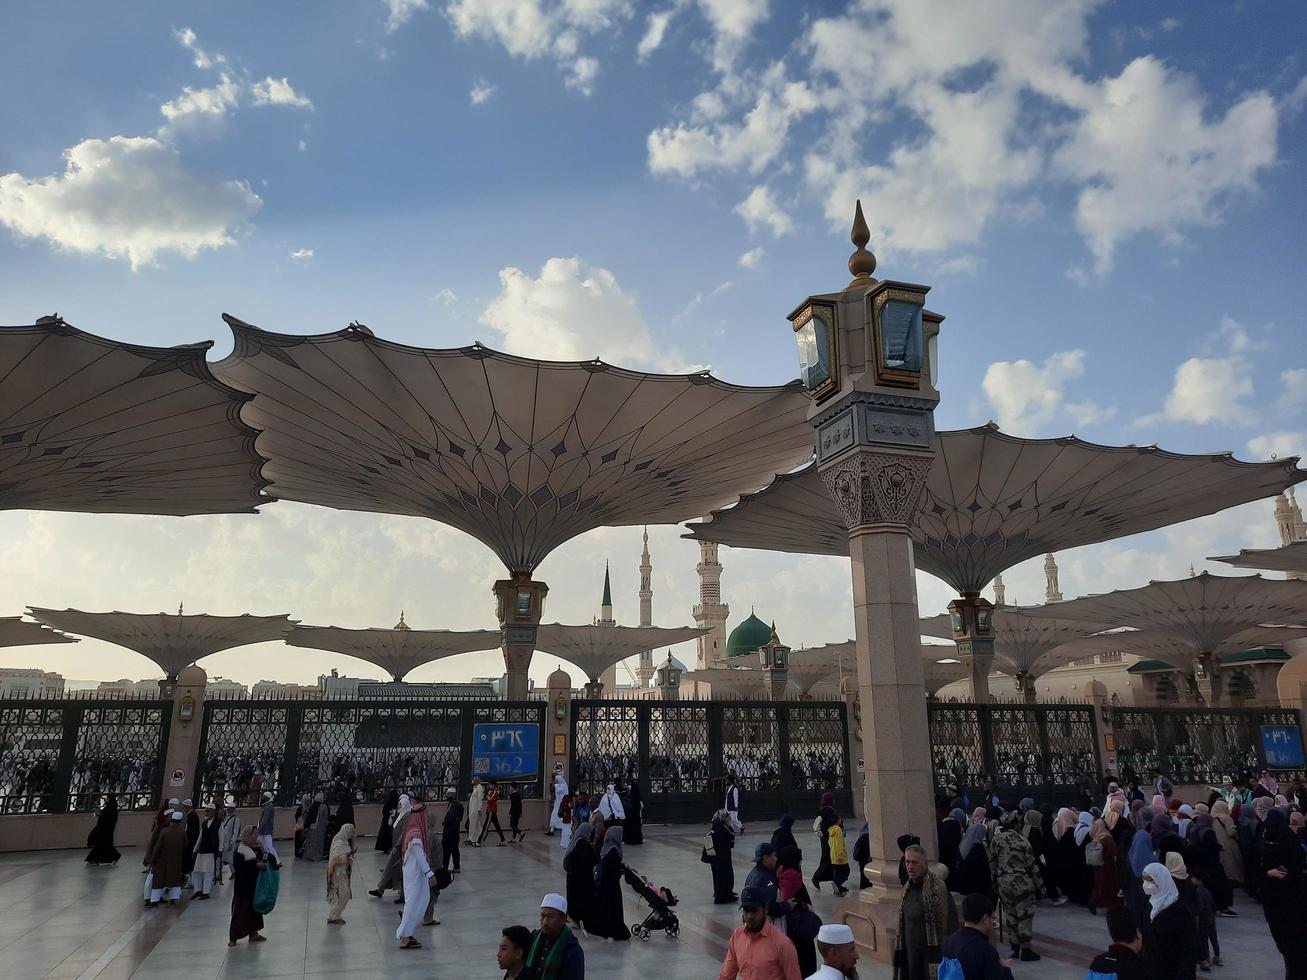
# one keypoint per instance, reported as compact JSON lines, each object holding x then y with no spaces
{"x":1150,"y":887}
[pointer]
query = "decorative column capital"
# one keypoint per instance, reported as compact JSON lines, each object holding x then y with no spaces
{"x":876,"y":487}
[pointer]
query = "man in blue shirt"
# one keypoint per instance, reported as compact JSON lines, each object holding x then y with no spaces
{"x":970,"y":945}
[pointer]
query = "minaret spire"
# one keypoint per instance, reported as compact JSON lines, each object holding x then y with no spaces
{"x":606,"y":604}
{"x":1052,"y":592}
{"x":1000,"y":590}
{"x":644,"y":672}
{"x":710,"y":612}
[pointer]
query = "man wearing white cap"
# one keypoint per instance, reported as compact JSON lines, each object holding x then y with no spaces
{"x":267,"y":819}
{"x":839,"y":954}
{"x":554,"y":951}
{"x":165,"y":857}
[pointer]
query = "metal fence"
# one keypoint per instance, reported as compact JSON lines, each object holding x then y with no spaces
{"x":59,"y":755}
{"x":1039,"y":751}
{"x":364,"y":747}
{"x":783,"y":754}
{"x":1196,"y":745}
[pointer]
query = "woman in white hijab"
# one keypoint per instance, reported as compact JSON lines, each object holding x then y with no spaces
{"x":1084,"y":824}
{"x":1174,"y":928}
{"x":560,"y":790}
{"x":340,"y":867}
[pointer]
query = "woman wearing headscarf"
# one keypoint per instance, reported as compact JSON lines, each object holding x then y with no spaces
{"x":1205,"y":851}
{"x":100,"y":839}
{"x":579,"y":862}
{"x":229,"y":835}
{"x":392,"y":875}
{"x":608,"y":918}
{"x":1284,"y":898}
{"x":633,"y":827}
{"x":723,"y":875}
{"x":344,"y":810}
{"x":861,"y":853}
{"x":1017,"y":882}
{"x":1298,"y":826}
{"x":1171,"y":947}
{"x":1107,"y":879}
{"x":385,"y":833}
{"x":1266,"y":786}
{"x":1184,"y":821}
{"x":950,"y":838}
{"x":1073,"y":878}
{"x":247,"y":862}
{"x":973,"y":873}
{"x":789,"y":876}
{"x":301,"y":822}
{"x":1166,"y":840}
{"x":825,"y":819}
{"x":1227,"y":836}
{"x":783,"y":835}
{"x":340,"y":868}
{"x":315,"y":829}
{"x":1139,"y":857}
{"x":1032,"y":829}
{"x":417,"y":877}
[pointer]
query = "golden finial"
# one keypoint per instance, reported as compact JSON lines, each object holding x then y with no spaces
{"x":862,"y":263}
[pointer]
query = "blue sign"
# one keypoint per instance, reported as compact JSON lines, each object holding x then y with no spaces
{"x":506,"y":751}
{"x":1282,"y":745}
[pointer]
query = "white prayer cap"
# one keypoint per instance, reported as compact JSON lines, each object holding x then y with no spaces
{"x":554,"y":901}
{"x":834,"y":934}
{"x":176,"y":814}
{"x":267,"y":795}
{"x":174,"y":801}
{"x":187,"y":803}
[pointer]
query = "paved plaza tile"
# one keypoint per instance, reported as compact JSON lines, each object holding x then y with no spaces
{"x":61,"y":919}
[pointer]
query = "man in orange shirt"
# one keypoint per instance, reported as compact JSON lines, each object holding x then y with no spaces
{"x":492,"y":816}
{"x":758,"y":950}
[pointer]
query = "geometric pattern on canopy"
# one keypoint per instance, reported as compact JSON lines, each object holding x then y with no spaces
{"x":993,"y":500}
{"x":1024,"y":643}
{"x":1180,"y":650}
{"x":596,"y":648}
{"x":18,"y":632}
{"x":521,"y":454}
{"x":1204,"y":614}
{"x":172,"y":642}
{"x":93,"y":425}
{"x":1291,"y":557}
{"x":396,"y":651}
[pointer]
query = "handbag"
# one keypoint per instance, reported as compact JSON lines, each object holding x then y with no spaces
{"x":1094,"y":854}
{"x":444,"y":878}
{"x":802,"y":924}
{"x":265,"y":892}
{"x":709,"y":848}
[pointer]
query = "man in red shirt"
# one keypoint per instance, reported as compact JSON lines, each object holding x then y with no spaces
{"x":758,"y":950}
{"x":492,"y":816}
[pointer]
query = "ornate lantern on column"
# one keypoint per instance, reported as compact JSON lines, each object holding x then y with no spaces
{"x":774,"y":657}
{"x":668,"y":679}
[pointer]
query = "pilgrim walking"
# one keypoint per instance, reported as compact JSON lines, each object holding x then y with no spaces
{"x":167,"y":860}
{"x":340,"y":869}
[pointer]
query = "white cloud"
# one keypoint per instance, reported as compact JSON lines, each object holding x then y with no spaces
{"x":302,"y":254}
{"x":752,"y":258}
{"x":569,"y":312}
{"x":126,"y":197}
{"x":205,"y":108}
{"x":1169,"y":23}
{"x":1209,"y":389}
{"x":654,"y":30}
{"x":1295,"y":387}
{"x":733,"y":22}
{"x":302,"y":146}
{"x":446,"y":296}
{"x":1087,"y":413}
{"x":531,"y":29}
{"x":1025,"y":396}
{"x":481,"y":92}
{"x":961,"y":265}
{"x":278,"y":91}
{"x":1278,"y":444}
{"x":761,"y":210}
{"x":400,"y":12}
{"x":1230,"y":337}
{"x":697,"y":300}
{"x":199,"y":57}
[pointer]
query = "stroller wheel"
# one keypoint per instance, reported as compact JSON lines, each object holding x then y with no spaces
{"x":674,"y":931}
{"x":644,"y":935}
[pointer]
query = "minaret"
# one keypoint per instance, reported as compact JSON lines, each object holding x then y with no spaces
{"x":1000,"y":591}
{"x":1288,"y":518}
{"x":710,"y":612}
{"x":401,"y":625}
{"x":645,"y":671}
{"x":609,"y":677}
{"x":1051,"y":593}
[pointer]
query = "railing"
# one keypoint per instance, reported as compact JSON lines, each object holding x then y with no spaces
{"x":1197,"y":745}
{"x":62,"y":754}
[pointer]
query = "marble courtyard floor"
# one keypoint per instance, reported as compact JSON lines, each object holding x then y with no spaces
{"x":61,"y":919}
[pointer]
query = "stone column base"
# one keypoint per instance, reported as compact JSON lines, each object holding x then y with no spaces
{"x":873,"y":915}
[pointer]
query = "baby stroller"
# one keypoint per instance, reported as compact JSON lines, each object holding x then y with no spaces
{"x":660,"y":901}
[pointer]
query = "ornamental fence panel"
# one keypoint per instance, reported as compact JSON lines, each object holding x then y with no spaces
{"x":60,"y":755}
{"x":1035,"y":750}
{"x":1203,"y":746}
{"x":365,"y":749}
{"x":783,"y":755}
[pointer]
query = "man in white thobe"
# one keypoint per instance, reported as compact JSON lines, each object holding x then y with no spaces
{"x":417,"y":878}
{"x":611,"y":807}
{"x":475,"y":811}
{"x":267,"y":823}
{"x":560,"y":790}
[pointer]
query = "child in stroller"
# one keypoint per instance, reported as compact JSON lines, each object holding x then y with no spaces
{"x":660,"y":901}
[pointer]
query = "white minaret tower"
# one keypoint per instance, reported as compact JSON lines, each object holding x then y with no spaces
{"x":645,"y":671}
{"x":609,"y":676}
{"x":1288,"y":518}
{"x":1051,"y":592}
{"x":1000,"y":590}
{"x":710,"y":612}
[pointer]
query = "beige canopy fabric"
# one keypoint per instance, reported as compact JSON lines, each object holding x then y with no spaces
{"x":1178,"y":648}
{"x":18,"y":632}
{"x":993,"y":500}
{"x":94,"y":425}
{"x":1204,"y":613}
{"x":940,"y":675}
{"x":521,"y":454}
{"x":1290,"y":558}
{"x":172,"y":642}
{"x":1028,"y":644}
{"x":396,"y":651}
{"x":595,"y":648}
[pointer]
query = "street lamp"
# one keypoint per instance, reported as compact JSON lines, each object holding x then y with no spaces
{"x":867,"y":358}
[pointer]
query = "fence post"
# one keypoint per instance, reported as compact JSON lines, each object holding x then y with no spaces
{"x":61,"y":789}
{"x":288,"y":781}
{"x":183,"y":754}
{"x":1096,"y":696}
{"x":559,"y":728}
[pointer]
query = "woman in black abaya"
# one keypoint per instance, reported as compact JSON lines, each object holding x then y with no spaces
{"x":609,"y":920}
{"x":634,"y":823}
{"x":100,"y":839}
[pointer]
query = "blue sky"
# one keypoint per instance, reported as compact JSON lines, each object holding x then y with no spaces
{"x":1107,"y":198}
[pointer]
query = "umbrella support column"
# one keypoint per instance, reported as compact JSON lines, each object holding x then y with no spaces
{"x":520,"y":601}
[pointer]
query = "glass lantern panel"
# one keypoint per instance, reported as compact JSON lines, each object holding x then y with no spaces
{"x":814,"y":351}
{"x":901,"y":335}
{"x":955,"y":620}
{"x":932,"y":358}
{"x":523,"y":602}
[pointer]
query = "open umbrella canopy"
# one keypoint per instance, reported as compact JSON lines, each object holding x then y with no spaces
{"x":94,"y":425}
{"x":1180,"y":648}
{"x":993,"y":500}
{"x":595,"y":648}
{"x":396,"y":651}
{"x":172,"y":642}
{"x":1027,"y":644}
{"x":18,"y":632}
{"x":1291,"y":558}
{"x":522,"y":454}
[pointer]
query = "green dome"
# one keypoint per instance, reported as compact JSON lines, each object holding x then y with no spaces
{"x":748,"y":637}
